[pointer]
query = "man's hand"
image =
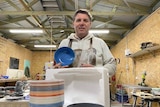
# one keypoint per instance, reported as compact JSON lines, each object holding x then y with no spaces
{"x":86,"y":65}
{"x":58,"y":65}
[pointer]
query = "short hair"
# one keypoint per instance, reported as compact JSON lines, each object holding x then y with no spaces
{"x":83,"y":11}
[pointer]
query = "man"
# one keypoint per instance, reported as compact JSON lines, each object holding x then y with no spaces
{"x":93,"y":50}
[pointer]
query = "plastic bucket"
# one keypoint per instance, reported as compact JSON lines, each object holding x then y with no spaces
{"x":45,"y":93}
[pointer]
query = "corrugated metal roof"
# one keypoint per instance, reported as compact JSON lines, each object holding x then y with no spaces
{"x":119,"y":16}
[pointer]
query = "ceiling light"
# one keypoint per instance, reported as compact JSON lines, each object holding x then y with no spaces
{"x":45,"y":46}
{"x":26,"y":31}
{"x":98,"y":31}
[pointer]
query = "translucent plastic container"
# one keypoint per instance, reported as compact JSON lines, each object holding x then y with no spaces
{"x":83,"y":85}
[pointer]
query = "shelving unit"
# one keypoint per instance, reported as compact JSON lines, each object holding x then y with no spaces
{"x":145,"y":51}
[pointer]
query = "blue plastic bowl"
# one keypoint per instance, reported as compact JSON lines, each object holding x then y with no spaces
{"x":5,"y":77}
{"x":64,"y":55}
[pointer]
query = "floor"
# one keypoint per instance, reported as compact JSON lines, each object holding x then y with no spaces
{"x":117,"y":104}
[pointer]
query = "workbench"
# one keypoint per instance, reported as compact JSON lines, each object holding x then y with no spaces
{"x":147,"y":98}
{"x":134,"y":88}
{"x":15,"y":103}
{"x":10,"y":82}
{"x":4,"y":102}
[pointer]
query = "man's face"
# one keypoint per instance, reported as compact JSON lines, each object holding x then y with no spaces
{"x":81,"y":25}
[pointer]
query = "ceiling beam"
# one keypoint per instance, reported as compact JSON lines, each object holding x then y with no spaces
{"x":13,"y":20}
{"x":121,"y":4}
{"x":13,"y":5}
{"x":132,"y":6}
{"x":66,"y":29}
{"x":33,"y":3}
{"x":36,"y":19}
{"x":67,"y":13}
{"x":95,"y":2}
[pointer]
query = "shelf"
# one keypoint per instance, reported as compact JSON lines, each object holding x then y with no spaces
{"x":145,"y":51}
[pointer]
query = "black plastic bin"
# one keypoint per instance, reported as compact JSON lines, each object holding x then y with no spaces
{"x":85,"y":105}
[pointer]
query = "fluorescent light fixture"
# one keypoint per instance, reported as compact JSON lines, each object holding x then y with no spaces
{"x":45,"y":46}
{"x":98,"y":31}
{"x":26,"y":31}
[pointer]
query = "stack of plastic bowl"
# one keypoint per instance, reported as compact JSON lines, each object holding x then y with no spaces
{"x":46,"y":93}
